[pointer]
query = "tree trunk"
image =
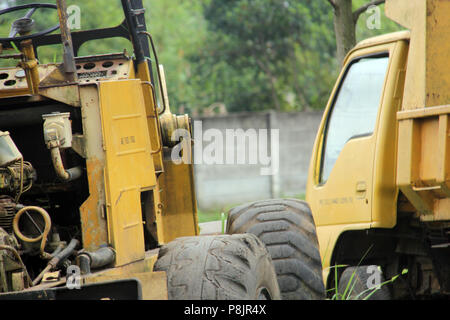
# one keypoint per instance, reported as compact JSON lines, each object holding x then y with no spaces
{"x":344,"y":27}
{"x":273,"y":83}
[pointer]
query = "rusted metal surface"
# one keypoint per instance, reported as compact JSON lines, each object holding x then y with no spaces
{"x":30,"y":64}
{"x":7,"y":212}
{"x":17,"y":56}
{"x":14,"y":81}
{"x":111,"y":67}
{"x":66,"y":40}
{"x":16,"y":255}
{"x":93,"y":210}
{"x":154,"y":284}
{"x":66,"y":94}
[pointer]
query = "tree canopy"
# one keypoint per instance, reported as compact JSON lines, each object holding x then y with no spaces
{"x":245,"y":55}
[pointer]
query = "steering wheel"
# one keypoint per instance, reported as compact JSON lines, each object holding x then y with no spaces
{"x":25,"y":24}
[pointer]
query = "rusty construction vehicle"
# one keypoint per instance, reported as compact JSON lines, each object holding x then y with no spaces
{"x":100,"y":194}
{"x":91,"y":204}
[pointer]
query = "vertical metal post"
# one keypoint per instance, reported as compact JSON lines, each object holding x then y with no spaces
{"x":30,"y":65}
{"x":134,"y":12}
{"x":275,"y":189}
{"x":66,"y":38}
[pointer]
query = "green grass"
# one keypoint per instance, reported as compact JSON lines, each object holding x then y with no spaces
{"x":213,"y":214}
{"x":210,"y":215}
{"x":298,"y":197}
{"x":365,"y":295}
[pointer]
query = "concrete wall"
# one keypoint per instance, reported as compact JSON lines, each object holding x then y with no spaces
{"x":221,"y":185}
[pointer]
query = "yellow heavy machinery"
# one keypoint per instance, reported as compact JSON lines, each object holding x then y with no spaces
{"x":88,"y":190}
{"x":379,"y":176}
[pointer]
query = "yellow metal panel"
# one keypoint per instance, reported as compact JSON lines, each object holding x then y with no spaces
{"x":422,"y":113}
{"x":342,"y":205}
{"x":342,"y":199}
{"x":428,"y":76}
{"x":385,"y":190}
{"x":383,"y":39}
{"x":406,"y":150}
{"x":328,"y":237}
{"x":129,"y":165}
{"x":423,"y":165}
{"x":154,"y":284}
{"x":437,"y":53}
{"x":412,"y":15}
{"x":408,"y":168}
{"x":339,"y":200}
{"x":153,"y":123}
{"x":443,"y":167}
{"x":178,"y":217}
{"x":429,"y":130}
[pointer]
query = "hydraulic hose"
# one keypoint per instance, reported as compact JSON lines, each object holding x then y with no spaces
{"x":57,"y":251}
{"x":65,"y":253}
{"x":63,"y":174}
{"x":60,"y":257}
{"x":43,"y":236}
{"x":95,"y":260}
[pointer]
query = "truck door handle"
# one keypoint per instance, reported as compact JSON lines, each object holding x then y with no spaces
{"x":361,"y":190}
{"x":361,"y":187}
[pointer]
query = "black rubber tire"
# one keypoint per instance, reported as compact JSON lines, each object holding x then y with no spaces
{"x":360,"y":281}
{"x":288,"y":230}
{"x":220,"y":267}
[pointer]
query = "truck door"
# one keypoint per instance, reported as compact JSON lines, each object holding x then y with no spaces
{"x":341,"y":192}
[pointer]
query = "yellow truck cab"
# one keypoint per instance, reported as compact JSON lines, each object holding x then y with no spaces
{"x":379,"y":173}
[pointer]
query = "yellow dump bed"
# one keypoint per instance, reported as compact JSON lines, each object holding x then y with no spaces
{"x":423,"y":172}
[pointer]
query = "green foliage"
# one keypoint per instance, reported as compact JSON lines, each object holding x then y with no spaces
{"x":257,"y":53}
{"x":349,"y":287}
{"x":366,"y":294}
{"x":249,"y":55}
{"x":179,"y":30}
{"x":94,"y":14}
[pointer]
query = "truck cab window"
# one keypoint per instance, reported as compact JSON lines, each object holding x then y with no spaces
{"x":355,"y":108}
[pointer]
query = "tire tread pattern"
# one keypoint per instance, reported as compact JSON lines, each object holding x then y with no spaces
{"x":220,"y":267}
{"x":287,"y":228}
